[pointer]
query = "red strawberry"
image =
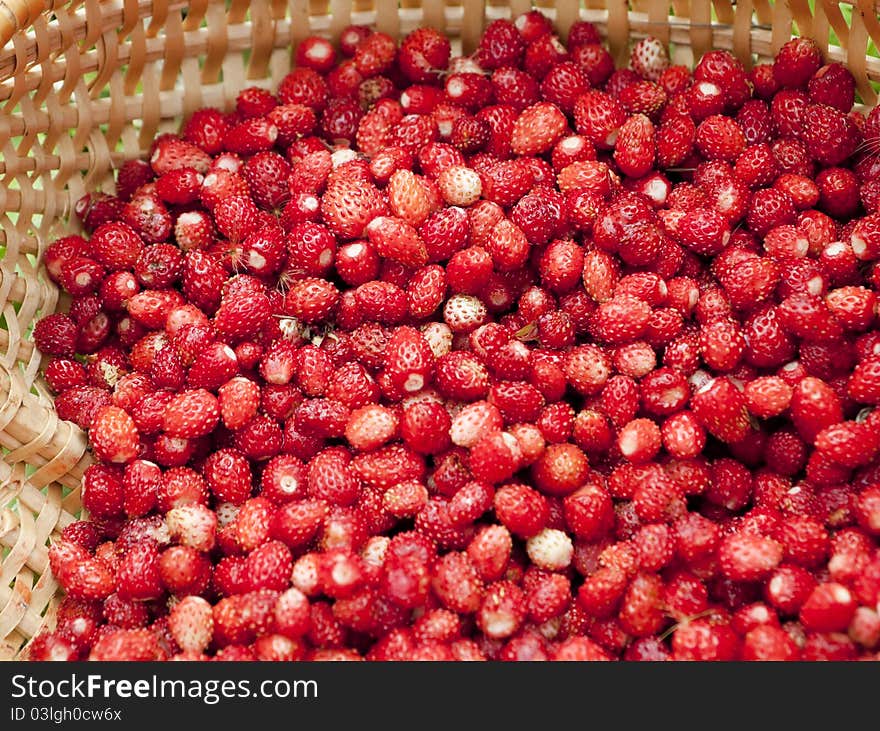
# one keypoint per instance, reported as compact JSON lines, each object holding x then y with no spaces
{"x":113,"y":435}
{"x":410,"y":197}
{"x":830,"y":136}
{"x":266,"y":174}
{"x":254,"y":102}
{"x":241,"y":316}
{"x":206,"y":129}
{"x":542,"y":54}
{"x":796,"y":62}
{"x":506,"y":182}
{"x":413,"y":132}
{"x":396,"y":239}
{"x":348,"y":207}
{"x":864,"y":382}
{"x":807,"y":316}
{"x":833,"y":85}
{"x":643,"y":97}
{"x":500,"y":119}
{"x":311,"y":299}
{"x":172,"y":153}
{"x":720,"y":138}
{"x":634,"y":147}
{"x":304,"y":86}
{"x":537,"y":129}
{"x":563,"y":84}
{"x":720,"y":407}
{"x":192,"y":413}
{"x":56,"y":335}
{"x":500,"y":45}
{"x":131,"y":176}
{"x":138,"y":573}
{"x":423,"y":54}
{"x":598,"y":117}
{"x":193,"y":230}
{"x":814,"y":406}
{"x":375,"y":54}
{"x":675,"y":140}
{"x":116,"y":245}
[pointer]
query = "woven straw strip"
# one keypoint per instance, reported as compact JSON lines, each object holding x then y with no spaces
{"x":18,"y":609}
{"x":31,"y":430}
{"x":16,"y":15}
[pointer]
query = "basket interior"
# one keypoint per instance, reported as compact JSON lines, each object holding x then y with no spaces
{"x":87,"y":84}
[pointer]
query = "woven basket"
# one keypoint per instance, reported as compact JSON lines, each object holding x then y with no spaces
{"x":62,"y":134}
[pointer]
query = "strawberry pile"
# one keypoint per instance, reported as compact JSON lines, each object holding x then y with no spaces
{"x":513,"y":356}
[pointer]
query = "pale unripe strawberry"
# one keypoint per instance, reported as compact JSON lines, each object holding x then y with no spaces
{"x":439,"y":337}
{"x":502,"y":610}
{"x":340,"y":157}
{"x":473,"y":421}
{"x":550,"y":549}
{"x":306,"y":574}
{"x":371,"y":426}
{"x":193,"y":525}
{"x":460,"y":186}
{"x":464,"y":313}
{"x":191,"y":622}
{"x":649,"y":58}
{"x":531,"y":442}
{"x":865,"y":627}
{"x":373,"y":553}
{"x":226,"y":513}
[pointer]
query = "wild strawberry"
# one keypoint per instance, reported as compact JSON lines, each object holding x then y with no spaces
{"x":132,"y":645}
{"x":634,"y":147}
{"x":814,"y":406}
{"x":833,"y":85}
{"x":138,"y":573}
{"x":116,"y":246}
{"x":191,"y":414}
{"x":464,"y":313}
{"x":621,"y":319}
{"x":639,"y":440}
{"x":796,"y":62}
{"x":423,"y":54}
{"x":829,"y":608}
{"x":347,"y":208}
{"x":704,"y":99}
{"x":311,"y":299}
{"x":173,"y":153}
{"x":495,"y":457}
{"x":720,"y":407}
{"x":537,"y":129}
{"x":720,"y":138}
{"x":649,"y":58}
{"x":56,"y":335}
{"x":113,"y":435}
{"x":830,"y":136}
{"x":598,"y":117}
{"x":747,"y":557}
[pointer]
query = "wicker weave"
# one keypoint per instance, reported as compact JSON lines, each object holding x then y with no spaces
{"x":61,"y":134}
